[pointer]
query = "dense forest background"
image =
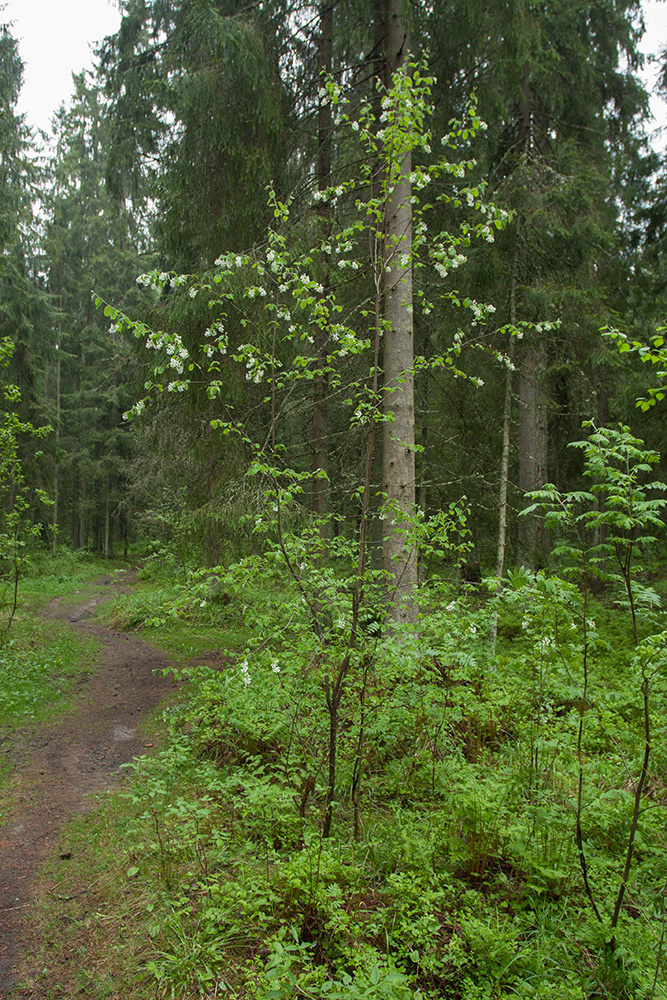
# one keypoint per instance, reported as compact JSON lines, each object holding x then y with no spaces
{"x":162,"y":161}
{"x":349,"y":317}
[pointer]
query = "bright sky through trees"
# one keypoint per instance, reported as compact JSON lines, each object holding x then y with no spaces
{"x":56,"y":40}
{"x":654,"y":41}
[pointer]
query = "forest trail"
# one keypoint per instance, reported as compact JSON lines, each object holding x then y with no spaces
{"x":56,"y":769}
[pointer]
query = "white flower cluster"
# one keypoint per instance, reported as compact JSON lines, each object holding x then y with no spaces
{"x":245,"y":673}
{"x":254,"y":369}
{"x":480,"y":311}
{"x":178,"y":386}
{"x":215,"y":330}
{"x":419,"y":179}
{"x":157,"y":279}
{"x":177,"y":350}
{"x":505,"y":360}
{"x":136,"y":410}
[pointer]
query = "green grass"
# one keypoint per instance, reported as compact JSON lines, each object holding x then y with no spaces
{"x":41,"y":666}
{"x":63,"y":575}
{"x":43,"y":659}
{"x":178,"y":616}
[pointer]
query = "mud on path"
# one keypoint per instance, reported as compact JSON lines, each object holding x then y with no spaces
{"x":56,"y":768}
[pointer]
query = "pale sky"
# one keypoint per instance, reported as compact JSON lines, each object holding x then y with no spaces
{"x":56,"y":38}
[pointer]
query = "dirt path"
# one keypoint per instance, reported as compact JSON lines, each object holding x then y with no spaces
{"x":56,"y":769}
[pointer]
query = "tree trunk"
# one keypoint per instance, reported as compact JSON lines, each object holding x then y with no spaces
{"x":83,"y":525}
{"x":56,"y":467}
{"x":56,"y":470}
{"x":75,"y":505}
{"x":107,"y":529}
{"x":532,"y":444}
{"x":532,"y":401}
{"x":504,"y":468}
{"x":507,"y":421}
{"x":320,"y":425}
{"x":398,"y":474}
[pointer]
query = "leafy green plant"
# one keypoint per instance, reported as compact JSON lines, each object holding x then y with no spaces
{"x":17,"y":525}
{"x":615,"y":520}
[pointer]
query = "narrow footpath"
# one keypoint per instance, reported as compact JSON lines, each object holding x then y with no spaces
{"x":56,"y":770}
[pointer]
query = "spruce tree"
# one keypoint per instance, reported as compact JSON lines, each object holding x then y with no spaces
{"x":92,"y":245}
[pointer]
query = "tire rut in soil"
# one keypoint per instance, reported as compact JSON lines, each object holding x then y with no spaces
{"x":55,"y":770}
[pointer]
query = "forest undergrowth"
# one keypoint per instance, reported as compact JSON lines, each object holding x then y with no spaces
{"x":453,"y":868}
{"x":468,"y":806}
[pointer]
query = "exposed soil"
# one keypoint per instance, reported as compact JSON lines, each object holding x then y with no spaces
{"x":55,"y":770}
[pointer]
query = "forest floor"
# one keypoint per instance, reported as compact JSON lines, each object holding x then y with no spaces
{"x":57,"y":770}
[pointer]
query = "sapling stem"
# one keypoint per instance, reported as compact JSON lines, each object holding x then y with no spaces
{"x":580,"y":784}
